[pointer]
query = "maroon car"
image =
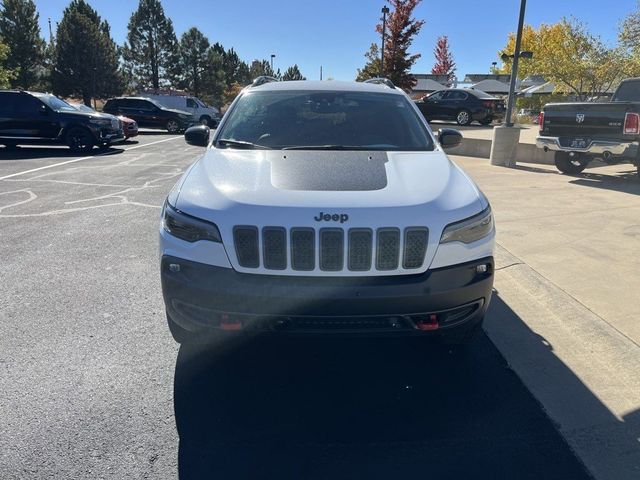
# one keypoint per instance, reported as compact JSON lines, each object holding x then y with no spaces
{"x":129,"y":126}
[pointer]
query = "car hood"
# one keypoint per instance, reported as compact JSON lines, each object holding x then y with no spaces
{"x":267,"y":186}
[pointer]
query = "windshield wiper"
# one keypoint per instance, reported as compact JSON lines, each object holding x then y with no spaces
{"x":240,"y":143}
{"x":325,"y":147}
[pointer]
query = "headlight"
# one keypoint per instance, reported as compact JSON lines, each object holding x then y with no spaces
{"x":469,"y":230}
{"x":100,"y":122}
{"x":188,"y":228}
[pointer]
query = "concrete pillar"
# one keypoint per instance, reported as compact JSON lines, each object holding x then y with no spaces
{"x":504,"y":147}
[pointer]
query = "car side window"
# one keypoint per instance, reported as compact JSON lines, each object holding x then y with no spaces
{"x":191,"y":103}
{"x":437,"y":96}
{"x":455,"y":95}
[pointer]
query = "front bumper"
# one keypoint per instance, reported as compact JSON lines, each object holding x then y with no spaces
{"x":200,"y":297}
{"x":110,"y":136}
{"x":596,"y":147}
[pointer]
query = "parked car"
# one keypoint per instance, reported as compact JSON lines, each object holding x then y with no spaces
{"x":129,"y":126}
{"x":149,"y":113}
{"x":43,"y":119}
{"x":202,"y":113}
{"x":462,"y":105}
{"x":581,"y":132}
{"x":325,"y":207}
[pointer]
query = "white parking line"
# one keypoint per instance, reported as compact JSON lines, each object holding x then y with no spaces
{"x":84,"y":158}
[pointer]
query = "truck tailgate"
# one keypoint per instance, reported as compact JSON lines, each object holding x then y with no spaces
{"x":604,"y":120}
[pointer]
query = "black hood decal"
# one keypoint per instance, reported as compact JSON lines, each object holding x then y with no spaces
{"x":328,"y":170}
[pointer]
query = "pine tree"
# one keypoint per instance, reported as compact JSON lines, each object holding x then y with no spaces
{"x":444,"y":60}
{"x":20,"y":32}
{"x":213,"y":78}
{"x":151,"y":50}
{"x":194,"y":48}
{"x":259,"y":68}
{"x":86,"y":58}
{"x":293,"y":73}
{"x":401,"y":30}
{"x":371,"y":69}
{"x":6,"y":75}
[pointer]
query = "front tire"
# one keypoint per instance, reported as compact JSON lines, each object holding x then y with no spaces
{"x":570,"y":165}
{"x":464,"y":118}
{"x":173,"y":126}
{"x":206,"y":121}
{"x":486,"y":120}
{"x":79,"y":140}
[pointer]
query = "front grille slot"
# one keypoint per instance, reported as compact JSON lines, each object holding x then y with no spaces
{"x":245,"y":239}
{"x":274,"y":248}
{"x":360,"y":247}
{"x":388,"y":249}
{"x":331,"y":249}
{"x":303,"y":249}
{"x":415,"y":247}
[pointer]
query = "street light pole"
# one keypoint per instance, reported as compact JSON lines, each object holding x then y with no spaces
{"x":514,"y":67}
{"x":272,"y":57}
{"x":385,"y":10}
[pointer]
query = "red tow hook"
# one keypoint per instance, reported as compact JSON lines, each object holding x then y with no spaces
{"x":227,"y":323}
{"x":429,"y":323}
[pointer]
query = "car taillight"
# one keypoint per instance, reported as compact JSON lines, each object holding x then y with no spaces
{"x":540,"y":120}
{"x":631,"y":124}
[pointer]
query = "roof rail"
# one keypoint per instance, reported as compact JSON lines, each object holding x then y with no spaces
{"x":381,"y":81}
{"x":262,"y":80}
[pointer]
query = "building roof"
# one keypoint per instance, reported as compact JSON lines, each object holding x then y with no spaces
{"x":491,"y":86}
{"x":428,"y":85}
{"x":545,"y":88}
{"x":479,"y":77}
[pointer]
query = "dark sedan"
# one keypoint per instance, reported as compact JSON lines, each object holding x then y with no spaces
{"x":462,"y":105}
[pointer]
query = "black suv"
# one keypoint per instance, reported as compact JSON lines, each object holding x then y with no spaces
{"x":462,"y":105}
{"x":149,"y":113}
{"x":43,"y":119}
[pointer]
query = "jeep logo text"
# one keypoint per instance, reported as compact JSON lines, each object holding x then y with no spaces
{"x":326,"y":217}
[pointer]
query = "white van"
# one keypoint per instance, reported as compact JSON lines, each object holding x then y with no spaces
{"x":203,"y":113}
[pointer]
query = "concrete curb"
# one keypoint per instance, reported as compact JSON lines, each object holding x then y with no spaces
{"x":478,"y":147}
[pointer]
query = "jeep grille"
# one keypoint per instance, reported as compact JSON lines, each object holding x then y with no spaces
{"x":356,"y":249}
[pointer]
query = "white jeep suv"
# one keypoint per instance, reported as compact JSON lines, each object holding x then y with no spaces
{"x":325,"y":207}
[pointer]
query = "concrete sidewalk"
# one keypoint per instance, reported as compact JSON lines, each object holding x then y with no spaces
{"x":566,"y":314}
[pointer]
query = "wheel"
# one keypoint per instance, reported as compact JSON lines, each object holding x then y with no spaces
{"x":571,"y":165}
{"x":206,"y":120}
{"x":173,"y":126}
{"x":103,"y":147}
{"x":79,"y":140}
{"x":462,"y":335}
{"x":179,"y":334}
{"x":464,"y":118}
{"x":486,"y":120}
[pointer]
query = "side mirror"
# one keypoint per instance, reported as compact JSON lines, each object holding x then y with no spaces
{"x":449,"y":138}
{"x":197,"y":136}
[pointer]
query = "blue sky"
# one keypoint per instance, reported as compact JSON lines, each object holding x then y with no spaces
{"x":337,"y":33}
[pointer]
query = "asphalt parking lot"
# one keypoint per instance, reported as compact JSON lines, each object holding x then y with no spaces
{"x":93,"y":385}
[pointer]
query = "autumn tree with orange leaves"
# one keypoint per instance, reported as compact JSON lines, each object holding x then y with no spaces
{"x":401,"y":30}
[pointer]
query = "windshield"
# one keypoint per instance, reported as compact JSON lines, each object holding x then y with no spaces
{"x":56,"y":104}
{"x":628,"y":92}
{"x":324,"y":119}
{"x":83,"y":108}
